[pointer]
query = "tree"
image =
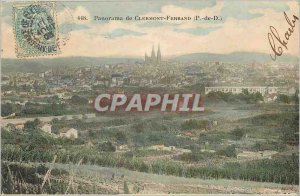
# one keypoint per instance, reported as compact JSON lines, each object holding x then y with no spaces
{"x":37,"y":140}
{"x":63,"y":119}
{"x":290,"y":130}
{"x":245,"y":91}
{"x":6,"y":109}
{"x":107,"y":147}
{"x":258,"y":97}
{"x":121,"y":137}
{"x":283,"y":98}
{"x":230,"y":151}
{"x":54,"y":121}
{"x":76,"y":100}
{"x":32,"y":125}
{"x":238,"y":133}
{"x":296,"y":97}
{"x":194,"y":124}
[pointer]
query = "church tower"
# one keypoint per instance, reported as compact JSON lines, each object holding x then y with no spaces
{"x":153,"y":57}
{"x":158,"y":55}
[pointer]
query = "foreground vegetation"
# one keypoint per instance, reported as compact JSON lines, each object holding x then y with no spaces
{"x":282,"y":170}
{"x":97,"y":143}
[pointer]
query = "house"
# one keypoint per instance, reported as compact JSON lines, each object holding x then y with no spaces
{"x":68,"y":133}
{"x":215,"y":123}
{"x":19,"y":126}
{"x":270,"y":97}
{"x":287,"y":91}
{"x":117,"y":80}
{"x":46,"y":127}
{"x":239,"y":89}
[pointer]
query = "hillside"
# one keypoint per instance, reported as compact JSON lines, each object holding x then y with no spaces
{"x":234,"y":57}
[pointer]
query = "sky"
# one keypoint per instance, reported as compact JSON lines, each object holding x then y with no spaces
{"x":244,"y":27}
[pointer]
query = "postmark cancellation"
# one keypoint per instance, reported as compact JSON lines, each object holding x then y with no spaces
{"x":35,"y":29}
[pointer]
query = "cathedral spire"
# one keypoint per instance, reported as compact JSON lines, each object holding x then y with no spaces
{"x":153,"y":57}
{"x":158,"y":55}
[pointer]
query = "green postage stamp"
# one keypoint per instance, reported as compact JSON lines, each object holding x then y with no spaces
{"x":35,"y":29}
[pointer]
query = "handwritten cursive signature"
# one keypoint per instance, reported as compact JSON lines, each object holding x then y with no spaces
{"x":277,"y":50}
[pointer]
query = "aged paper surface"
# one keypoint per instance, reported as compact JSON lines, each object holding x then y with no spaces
{"x":150,"y":97}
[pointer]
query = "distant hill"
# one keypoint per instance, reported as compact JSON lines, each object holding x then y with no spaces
{"x":242,"y":57}
{"x":43,"y":64}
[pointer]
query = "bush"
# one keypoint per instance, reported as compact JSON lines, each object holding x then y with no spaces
{"x":238,"y":133}
{"x":195,"y":156}
{"x":194,"y":124}
{"x":76,"y":100}
{"x":245,"y":96}
{"x":230,"y":151}
{"x":269,"y":145}
{"x":290,"y":130}
{"x":107,"y":147}
{"x":121,"y":137}
{"x":283,"y":99}
{"x":7,"y":109}
{"x":47,"y":109}
{"x":32,"y":125}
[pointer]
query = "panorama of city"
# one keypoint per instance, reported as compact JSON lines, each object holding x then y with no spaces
{"x":245,"y":141}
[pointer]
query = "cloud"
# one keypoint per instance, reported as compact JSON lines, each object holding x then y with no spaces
{"x":65,"y":27}
{"x":68,"y":18}
{"x":242,"y":10}
{"x":122,"y":32}
{"x":81,"y":11}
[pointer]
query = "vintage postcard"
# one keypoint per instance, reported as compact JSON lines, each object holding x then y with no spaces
{"x":150,"y":97}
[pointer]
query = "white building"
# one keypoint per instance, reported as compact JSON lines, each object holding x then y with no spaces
{"x":237,"y":90}
{"x":46,"y":127}
{"x":117,"y":80}
{"x":68,"y":133}
{"x":287,"y":91}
